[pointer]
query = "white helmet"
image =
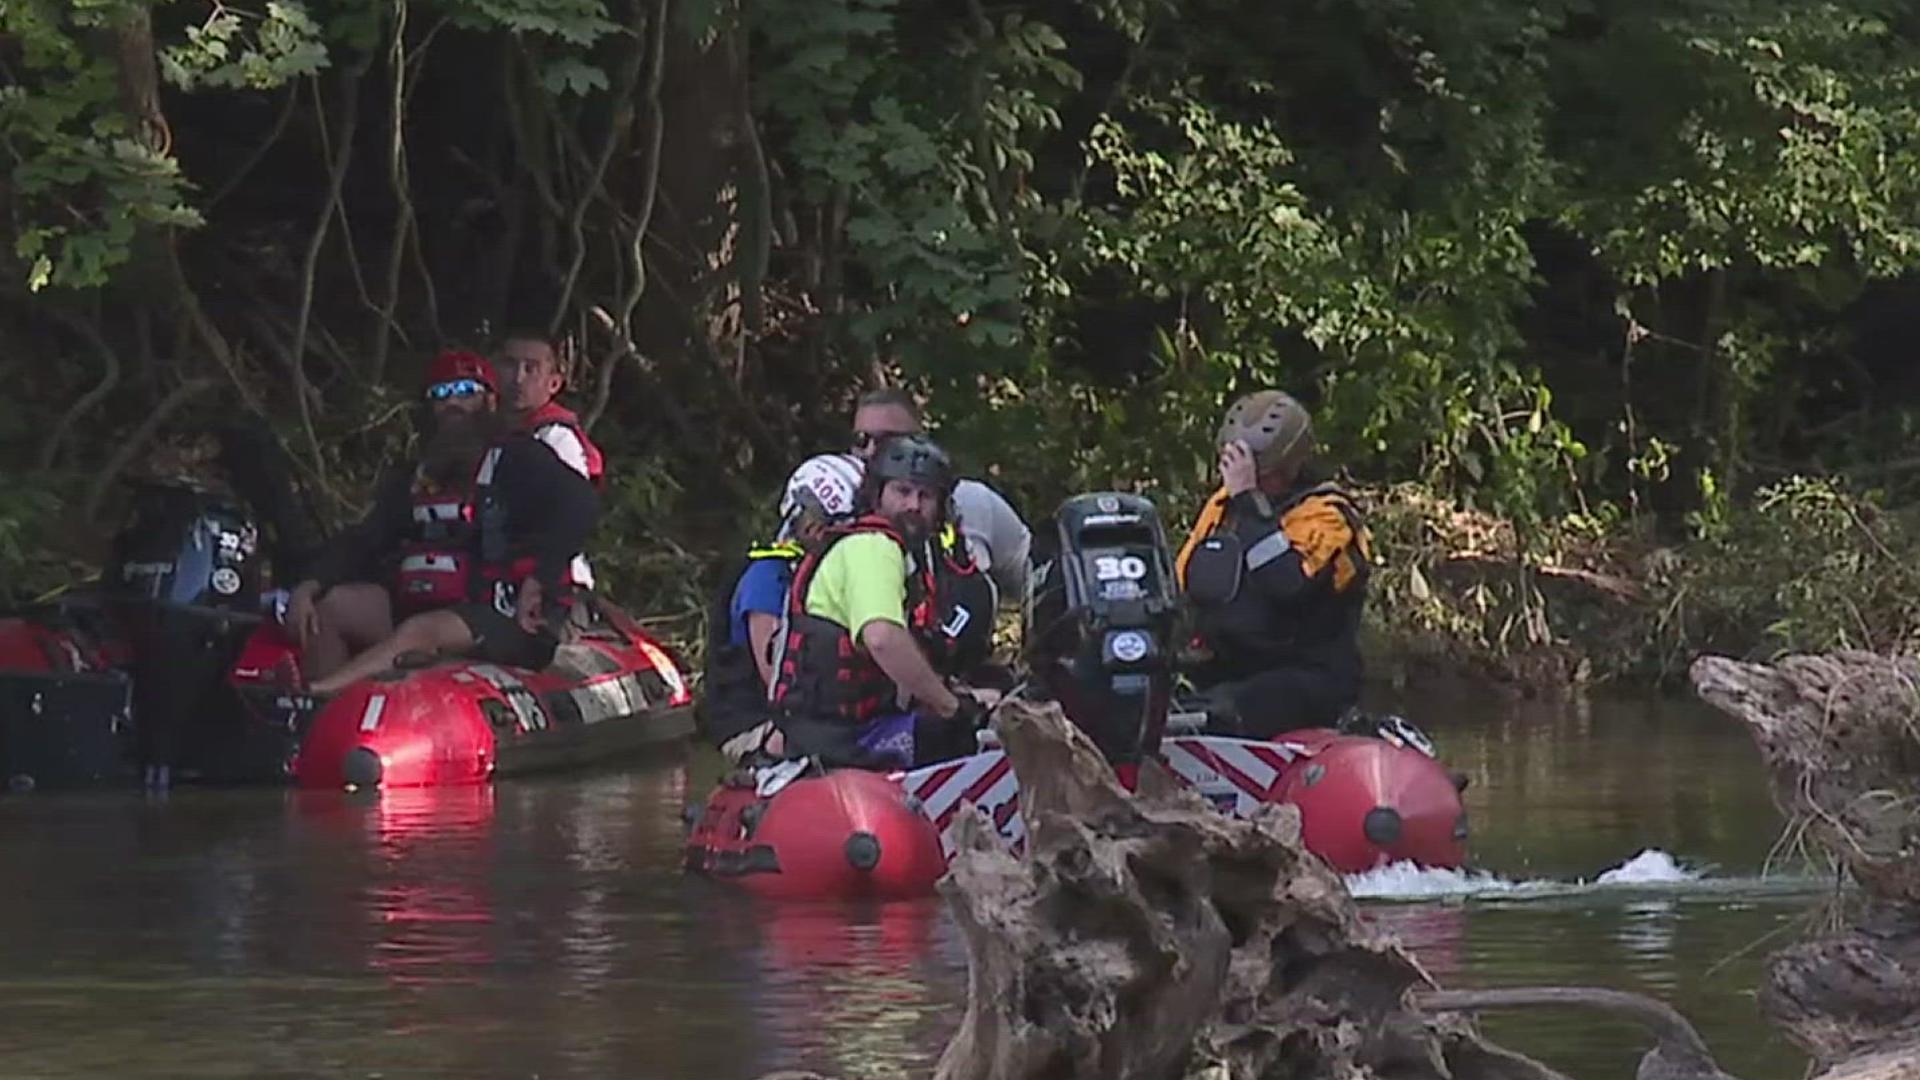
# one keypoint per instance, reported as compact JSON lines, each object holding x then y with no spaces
{"x":828,"y":479}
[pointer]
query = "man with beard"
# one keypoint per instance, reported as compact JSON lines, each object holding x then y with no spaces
{"x":366,"y":574}
{"x":852,"y":680}
{"x":996,"y":539}
{"x":526,"y":515}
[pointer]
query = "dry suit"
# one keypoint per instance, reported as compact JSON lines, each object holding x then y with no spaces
{"x":1277,"y":586}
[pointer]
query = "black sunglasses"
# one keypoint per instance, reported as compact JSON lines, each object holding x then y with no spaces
{"x":863,"y":440}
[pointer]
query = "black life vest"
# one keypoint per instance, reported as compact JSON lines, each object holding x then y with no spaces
{"x":957,"y":628}
{"x":735,"y":698}
{"x":1319,"y":628}
{"x":500,"y":565}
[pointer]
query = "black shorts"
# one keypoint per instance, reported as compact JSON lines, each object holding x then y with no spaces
{"x":498,"y":639}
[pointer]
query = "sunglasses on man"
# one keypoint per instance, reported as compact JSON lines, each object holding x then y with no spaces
{"x":455,"y":388}
{"x":867,"y":440}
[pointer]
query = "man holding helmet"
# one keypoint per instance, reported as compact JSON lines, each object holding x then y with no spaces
{"x":1276,"y":568}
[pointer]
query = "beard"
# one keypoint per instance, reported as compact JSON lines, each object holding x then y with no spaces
{"x":452,"y":452}
{"x":913,"y":527}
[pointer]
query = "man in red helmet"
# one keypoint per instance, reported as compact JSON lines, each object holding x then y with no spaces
{"x":527,"y":516}
{"x":402,"y":557}
{"x":532,"y":374}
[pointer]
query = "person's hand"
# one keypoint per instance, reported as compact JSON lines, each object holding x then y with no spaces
{"x":526,"y":606}
{"x":969,"y":716}
{"x":986,"y":696}
{"x":1238,"y":471}
{"x":303,"y":613}
{"x":762,"y":739}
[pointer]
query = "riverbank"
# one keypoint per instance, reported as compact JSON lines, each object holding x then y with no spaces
{"x":1804,"y":565}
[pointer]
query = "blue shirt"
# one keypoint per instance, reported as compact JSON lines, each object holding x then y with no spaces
{"x":761,"y":589}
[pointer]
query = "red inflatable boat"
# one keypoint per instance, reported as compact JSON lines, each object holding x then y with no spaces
{"x":1100,"y":620}
{"x":613,"y":691}
{"x":1364,"y":802}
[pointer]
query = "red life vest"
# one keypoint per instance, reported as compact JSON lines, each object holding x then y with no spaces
{"x":820,"y":671}
{"x":554,"y":414}
{"x":437,"y":555}
{"x":457,"y":550}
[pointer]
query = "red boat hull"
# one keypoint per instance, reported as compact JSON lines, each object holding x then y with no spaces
{"x":1364,"y":802}
{"x":846,"y":834}
{"x":29,"y":646}
{"x":462,"y":722}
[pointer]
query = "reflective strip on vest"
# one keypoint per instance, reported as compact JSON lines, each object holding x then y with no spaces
{"x":430,"y":564}
{"x":487,"y":465}
{"x":425,"y":513}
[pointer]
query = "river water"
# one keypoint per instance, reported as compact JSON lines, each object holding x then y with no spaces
{"x":542,"y":929}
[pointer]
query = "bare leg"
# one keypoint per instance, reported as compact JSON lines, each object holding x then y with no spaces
{"x":432,"y":631}
{"x":353,"y":617}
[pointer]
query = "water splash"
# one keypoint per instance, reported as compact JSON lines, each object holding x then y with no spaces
{"x":1650,"y":867}
{"x":1404,"y":880}
{"x":1650,"y":870}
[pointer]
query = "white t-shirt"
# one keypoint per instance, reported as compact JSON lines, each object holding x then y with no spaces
{"x":566,"y":446}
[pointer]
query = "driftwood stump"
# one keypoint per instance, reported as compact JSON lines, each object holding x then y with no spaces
{"x":1841,"y":734}
{"x":1146,"y":935}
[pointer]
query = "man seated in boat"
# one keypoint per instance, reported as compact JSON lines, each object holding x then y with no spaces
{"x":1276,"y":568}
{"x":530,"y":514}
{"x":872,"y":623}
{"x":389,"y":563}
{"x":533,"y":370}
{"x":747,"y":617}
{"x":997,"y":539}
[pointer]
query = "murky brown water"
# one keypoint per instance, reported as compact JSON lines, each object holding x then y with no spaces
{"x":542,"y":929}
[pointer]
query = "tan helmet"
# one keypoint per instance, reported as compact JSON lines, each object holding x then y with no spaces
{"x":1275,"y":427}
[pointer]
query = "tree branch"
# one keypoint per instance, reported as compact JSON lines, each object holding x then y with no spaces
{"x":137,"y":442}
{"x":109,"y":378}
{"x":629,"y":76}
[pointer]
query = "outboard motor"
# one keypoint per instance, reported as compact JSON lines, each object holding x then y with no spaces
{"x":184,"y":583}
{"x":1100,"y":618}
{"x":186,"y":547}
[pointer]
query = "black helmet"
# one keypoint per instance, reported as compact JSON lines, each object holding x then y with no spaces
{"x":907,"y":457}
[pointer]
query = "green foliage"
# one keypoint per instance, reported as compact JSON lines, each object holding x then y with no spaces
{"x":1808,"y":566}
{"x":234,"y":50}
{"x":920,"y":155}
{"x":83,"y":179}
{"x":36,"y":557}
{"x":1584,"y":270}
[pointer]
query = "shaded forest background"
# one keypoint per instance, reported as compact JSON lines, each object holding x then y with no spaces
{"x":1607,"y":304}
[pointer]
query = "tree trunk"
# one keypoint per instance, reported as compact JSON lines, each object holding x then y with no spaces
{"x":1841,"y":734}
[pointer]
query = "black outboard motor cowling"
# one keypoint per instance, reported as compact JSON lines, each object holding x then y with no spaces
{"x":184,"y":545}
{"x":1101,"y":621}
{"x":184,"y":585}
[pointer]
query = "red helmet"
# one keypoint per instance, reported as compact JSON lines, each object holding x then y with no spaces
{"x":454,"y":364}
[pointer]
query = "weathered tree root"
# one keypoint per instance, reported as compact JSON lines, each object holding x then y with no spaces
{"x":1150,"y":936}
{"x":1680,"y":1053}
{"x":1841,"y":733}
